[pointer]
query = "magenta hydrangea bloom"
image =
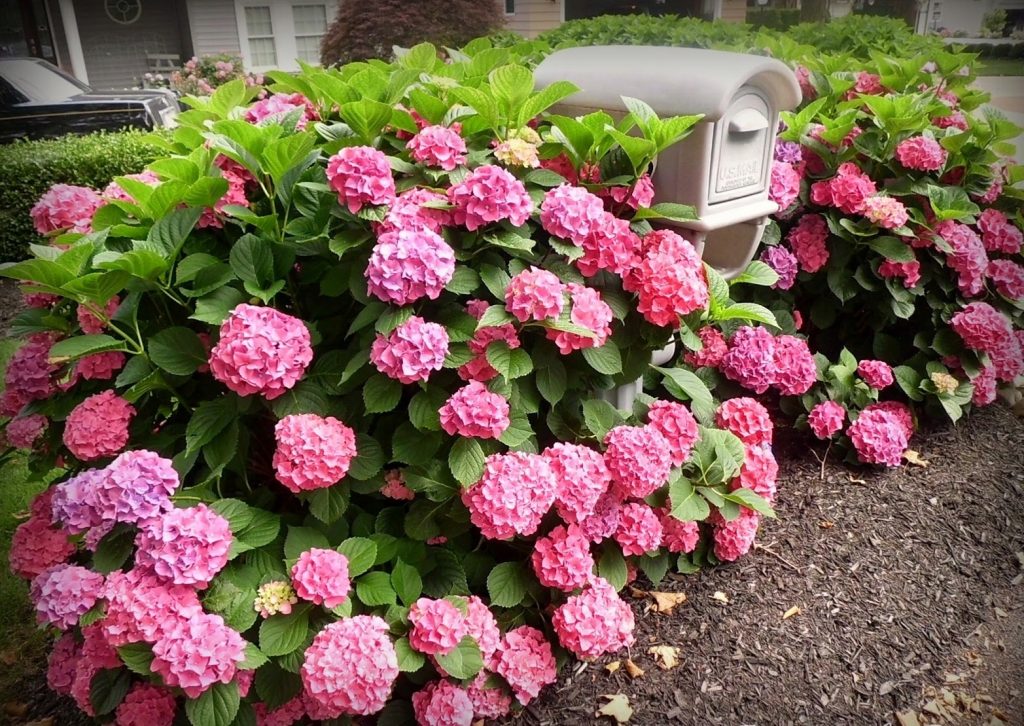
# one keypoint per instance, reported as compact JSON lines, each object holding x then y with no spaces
{"x":562,"y":558}
{"x":582,"y":477}
{"x":713,"y":351}
{"x":442,"y":703}
{"x":784,"y":263}
{"x":98,"y":426}
{"x":676,"y":536}
{"x":513,"y":495}
{"x":146,"y":705}
{"x":570,"y":212}
{"x":784,"y":187}
{"x":601,"y":524}
{"x":37,"y":547}
{"x":185,"y":546}
{"x":74,"y":505}
{"x":29,"y":375}
{"x":639,"y":530}
{"x":489,"y":702}
{"x":408,"y":265}
{"x":23,"y":431}
{"x":611,"y":245}
{"x":261,"y":351}
{"x":879,"y":437}
{"x":100,"y":366}
{"x":136,"y":487}
{"x":438,"y":146}
{"x":847,"y":191}
{"x":751,"y":359}
{"x":312,"y":452}
{"x":985,"y":387}
{"x":321,"y":576}
{"x":535,"y":294}
{"x":286,"y":714}
{"x":141,"y":606}
{"x":234,"y":195}
{"x":921,"y":153}
{"x":65,"y":207}
{"x":409,"y":212}
{"x":194,"y":653}
{"x":351,"y":666}
{"x":759,"y":472}
{"x":63,"y":593}
{"x":1008,"y":277}
{"x":876,"y":373}
{"x":998,"y":234}
{"x":395,"y":487}
{"x":437,"y":626}
{"x":886,"y":212}
{"x":909,"y":272}
{"x":276,"y":107}
{"x":639,"y":459}
{"x":734,"y":539}
{"x":826,"y":419}
{"x":95,"y":655}
{"x":808,"y":239}
{"x":795,"y":370}
{"x":90,"y":322}
{"x":982,"y":327}
{"x":595,"y":622}
{"x":969,"y":258}
{"x":61,"y":664}
{"x":747,"y":419}
{"x":482,"y":626}
{"x":588,"y":311}
{"x":361,"y":175}
{"x":489,"y":194}
{"x":412,"y":351}
{"x":526,"y":661}
{"x":670,"y":280}
{"x":475,"y":411}
{"x":675,"y":422}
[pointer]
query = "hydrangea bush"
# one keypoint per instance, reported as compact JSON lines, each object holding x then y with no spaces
{"x":329,"y":385}
{"x":202,"y":75}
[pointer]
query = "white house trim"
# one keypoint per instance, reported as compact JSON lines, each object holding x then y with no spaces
{"x":75,"y":53}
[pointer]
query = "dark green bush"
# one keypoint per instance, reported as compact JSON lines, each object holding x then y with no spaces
{"x":1017,"y":50}
{"x":1002,"y":51}
{"x":773,"y":18}
{"x":29,"y":168}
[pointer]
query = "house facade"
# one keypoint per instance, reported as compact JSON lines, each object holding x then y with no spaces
{"x":112,"y":44}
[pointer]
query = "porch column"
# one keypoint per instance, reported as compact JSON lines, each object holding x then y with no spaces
{"x":77,"y":57}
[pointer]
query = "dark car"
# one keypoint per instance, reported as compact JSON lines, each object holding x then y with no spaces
{"x":38,"y":100}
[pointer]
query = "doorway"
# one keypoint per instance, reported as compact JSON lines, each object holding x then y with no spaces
{"x":25,"y":30}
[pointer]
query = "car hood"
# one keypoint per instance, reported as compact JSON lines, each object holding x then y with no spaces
{"x":100,"y":96}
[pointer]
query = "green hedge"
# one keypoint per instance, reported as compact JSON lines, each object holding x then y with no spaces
{"x":29,"y":168}
{"x":773,"y":18}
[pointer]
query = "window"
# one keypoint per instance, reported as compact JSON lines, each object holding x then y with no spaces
{"x":259,"y":27}
{"x":310,"y":26}
{"x":277,"y":34}
{"x":510,"y":7}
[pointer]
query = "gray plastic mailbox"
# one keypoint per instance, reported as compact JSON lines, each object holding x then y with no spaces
{"x":723,"y":167}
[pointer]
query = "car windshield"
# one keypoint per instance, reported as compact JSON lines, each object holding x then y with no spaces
{"x":39,"y":82}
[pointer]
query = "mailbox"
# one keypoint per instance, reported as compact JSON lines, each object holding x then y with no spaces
{"x":723,"y":167}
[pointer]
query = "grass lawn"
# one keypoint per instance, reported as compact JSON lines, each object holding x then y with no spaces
{"x":1001,"y":66}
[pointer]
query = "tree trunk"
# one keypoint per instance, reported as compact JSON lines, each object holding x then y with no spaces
{"x":813,"y":11}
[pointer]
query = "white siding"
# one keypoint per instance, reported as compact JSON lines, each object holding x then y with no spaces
{"x":534,"y":16}
{"x":214,"y":27}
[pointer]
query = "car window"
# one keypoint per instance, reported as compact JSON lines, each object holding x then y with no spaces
{"x":8,"y":96}
{"x":37,"y":81}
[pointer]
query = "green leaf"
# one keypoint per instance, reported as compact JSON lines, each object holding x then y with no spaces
{"x":510,"y":240}
{"x":302,"y":539}
{"x":262,"y":530}
{"x":466,"y":460}
{"x":369,"y":458}
{"x":108,"y":688}
{"x":215,"y":307}
{"x":366,"y":117}
{"x":447,"y":577}
{"x":685,"y":385}
{"x":607,"y":359}
{"x":361,"y":553}
{"x":113,"y":550}
{"x":208,"y":420}
{"x":374,"y":588}
{"x":81,"y":345}
{"x":757,"y":273}
{"x":137,"y":658}
{"x":254,"y":658}
{"x":409,"y":660}
{"x":551,"y":379}
{"x":600,"y":417}
{"x":687,"y":504}
{"x":892,"y":249}
{"x":611,"y":565}
{"x":421,"y":522}
{"x":462,"y":662}
{"x":328,"y":505}
{"x":511,"y":85}
{"x":216,"y":706}
{"x":751,"y":500}
{"x":667,"y":210}
{"x":252,"y":260}
{"x":170,"y":231}
{"x":177,"y":350}
{"x":282,"y":634}
{"x":496,"y":279}
{"x":910,"y":381}
{"x":406,"y":581}
{"x":654,"y":567}
{"x":381,"y":394}
{"x":494,"y":316}
{"x":464,"y":281}
{"x":510,"y":363}
{"x":747,"y":311}
{"x":275,"y":686}
{"x":507,"y":584}
{"x":951,"y":203}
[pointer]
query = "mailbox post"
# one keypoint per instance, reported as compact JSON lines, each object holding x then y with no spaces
{"x":723,"y":167}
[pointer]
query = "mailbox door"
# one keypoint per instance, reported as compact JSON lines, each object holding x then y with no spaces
{"x":742,"y":148}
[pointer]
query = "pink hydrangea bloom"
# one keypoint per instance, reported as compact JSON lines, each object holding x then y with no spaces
{"x":850,"y":189}
{"x":785,"y":184}
{"x":595,"y":622}
{"x":886,"y":212}
{"x":61,"y":664}
{"x":95,"y":655}
{"x":482,"y":627}
{"x":826,"y":419}
{"x":515,"y":492}
{"x":525,"y":660}
{"x":747,"y":419}
{"x":146,"y":705}
{"x":93,"y":323}
{"x":784,"y":263}
{"x":879,"y":437}
{"x":562,"y":558}
{"x":868,"y":83}
{"x":808,"y":238}
{"x":489,"y":194}
{"x":480,"y":369}
{"x":409,"y":212}
{"x":876,"y":373}
{"x":909,"y":272}
{"x":601,"y":524}
{"x":759,"y":472}
{"x":278,"y":106}
{"x":261,"y":351}
{"x":588,"y":311}
{"x":74,"y":504}
{"x":442,"y":703}
{"x":639,"y":529}
{"x":411,"y":351}
{"x":807,"y":89}
{"x":36,"y":547}
{"x":611,"y":245}
{"x":677,"y":537}
{"x":670,"y":279}
{"x":1008,"y":277}
{"x":751,"y":359}
{"x":29,"y":374}
{"x":195,"y":653}
{"x":475,"y":411}
{"x":477,"y":307}
{"x":63,"y":593}
{"x":286,"y":714}
{"x":570,"y":212}
{"x":98,"y":426}
{"x":734,"y":539}
{"x":41,"y":300}
{"x":23,"y":431}
{"x":582,"y":479}
{"x":185,"y":546}
{"x":114,"y":192}
{"x":312,"y":452}
{"x":998,"y":234}
{"x":488,"y":703}
{"x":985,"y":387}
{"x":438,"y":146}
{"x":65,"y":207}
{"x":437,"y":626}
{"x":921,"y":153}
{"x":795,"y":370}
{"x":136,"y":487}
{"x":639,"y":459}
{"x":395,"y":488}
{"x":675,"y":422}
{"x":407,"y":265}
{"x":982,"y":327}
{"x":969,"y":258}
{"x":361,"y":175}
{"x":321,"y":576}
{"x":351,"y":666}
{"x":235,"y":195}
{"x":100,"y":366}
{"x":901,"y":411}
{"x":535,"y":294}
{"x":141,"y":607}
{"x":713,"y":352}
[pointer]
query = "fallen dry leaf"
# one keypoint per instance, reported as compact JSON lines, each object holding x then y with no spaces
{"x":826,"y":524}
{"x":633,"y":669}
{"x":637,"y":592}
{"x":915,"y":458}
{"x":613,"y":666}
{"x":1020,"y":558}
{"x":617,"y":708}
{"x":666,"y":656}
{"x":795,"y":610}
{"x":16,"y":709}
{"x":666,"y":602}
{"x":721,"y":597}
{"x":908,"y":718}
{"x":857,"y":481}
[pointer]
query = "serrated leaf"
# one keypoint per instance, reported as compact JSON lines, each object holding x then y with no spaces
{"x":216,"y":706}
{"x":466,"y":461}
{"x":507,"y":584}
{"x":606,"y":359}
{"x":374,"y":588}
{"x":282,"y":634}
{"x":464,"y":661}
{"x":361,"y":553}
{"x":406,"y":581}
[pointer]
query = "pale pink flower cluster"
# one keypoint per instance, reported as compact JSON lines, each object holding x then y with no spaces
{"x":412,"y":351}
{"x":675,"y":422}
{"x":921,"y":153}
{"x":100,"y":366}
{"x":146,"y":705}
{"x":525,"y":660}
{"x":489,"y":194}
{"x":351,"y":666}
{"x":734,"y":539}
{"x":98,"y":426}
{"x":676,"y":536}
{"x":437,"y":626}
{"x":65,"y":207}
{"x":275,"y":597}
{"x":482,"y":626}
{"x":909,"y":272}
{"x":515,"y":492}
{"x":438,"y":146}
{"x":582,"y":480}
{"x":535,"y":294}
{"x":141,"y":606}
{"x":90,"y":322}
{"x":475,"y":411}
{"x":999,"y":234}
{"x":312,"y":452}
{"x":826,"y":419}
{"x":969,"y":258}
{"x":638,"y":530}
{"x":36,"y":547}
{"x":23,"y":431}
{"x":611,"y":245}
{"x":63,"y":593}
{"x":197,"y":652}
{"x":276,"y":107}
{"x":747,"y":419}
{"x":640,"y":194}
{"x":603,"y":521}
{"x":395,"y":487}
{"x":321,"y":576}
{"x":808,"y":238}
{"x":489,"y":702}
{"x":785,"y":264}
{"x":879,"y":436}
{"x":562,"y":559}
{"x":595,"y":622}
{"x":570,"y":212}
{"x":442,"y":703}
{"x":886,"y":212}
{"x":639,"y":459}
{"x":876,"y":373}
{"x":1008,"y":277}
{"x":589,"y":311}
{"x":185,"y":546}
{"x":848,"y":190}
{"x":409,"y":211}
{"x":784,"y":186}
{"x":670,"y":280}
{"x":407,"y":265}
{"x":361,"y":175}
{"x":713,"y":351}
{"x":261,"y":350}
